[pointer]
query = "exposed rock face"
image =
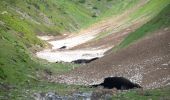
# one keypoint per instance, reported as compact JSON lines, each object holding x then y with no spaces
{"x":145,"y":62}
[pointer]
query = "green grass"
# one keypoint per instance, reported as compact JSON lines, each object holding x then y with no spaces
{"x":152,"y":94}
{"x":146,"y":12}
{"x":61,"y":89}
{"x":18,"y":70}
{"x":152,"y":8}
{"x":14,"y":59}
{"x":22,"y":28}
{"x":26,"y":92}
{"x":22,"y":20}
{"x":58,"y":16}
{"x":16,"y":64}
{"x":162,"y":20}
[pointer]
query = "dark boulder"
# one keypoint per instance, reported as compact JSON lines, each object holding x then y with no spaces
{"x":84,"y":61}
{"x":63,"y":47}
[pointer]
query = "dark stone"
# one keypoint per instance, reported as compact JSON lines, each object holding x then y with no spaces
{"x":119,"y":83}
{"x":83,"y":61}
{"x":63,"y":47}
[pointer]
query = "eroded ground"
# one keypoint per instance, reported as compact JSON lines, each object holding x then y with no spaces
{"x":145,"y":62}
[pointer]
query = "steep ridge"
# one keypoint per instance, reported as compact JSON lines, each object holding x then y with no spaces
{"x":145,"y":62}
{"x":89,"y":40}
{"x":61,"y":16}
{"x":114,"y":30}
{"x":21,"y":74}
{"x":21,"y":21}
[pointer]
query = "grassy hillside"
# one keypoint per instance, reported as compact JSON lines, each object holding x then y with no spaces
{"x":160,"y":20}
{"x":46,"y":17}
{"x":105,"y":8}
{"x":58,"y":16}
{"x":154,"y":94}
{"x":142,"y":12}
{"x":20,"y":72}
{"x":22,"y":20}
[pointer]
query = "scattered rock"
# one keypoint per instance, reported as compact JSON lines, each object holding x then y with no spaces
{"x":48,"y":72}
{"x":103,"y":94}
{"x":98,"y":94}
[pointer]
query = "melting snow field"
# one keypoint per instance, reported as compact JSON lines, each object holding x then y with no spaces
{"x":69,"y":56}
{"x":72,"y":41}
{"x":65,"y":55}
{"x":45,"y":37}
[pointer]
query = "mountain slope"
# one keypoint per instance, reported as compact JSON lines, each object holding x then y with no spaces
{"x":22,"y":21}
{"x":162,"y":20}
{"x":145,"y":61}
{"x":58,"y":16}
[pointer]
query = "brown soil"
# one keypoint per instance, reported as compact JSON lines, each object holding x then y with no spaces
{"x":118,"y":28}
{"x":110,"y":40}
{"x":146,"y":62}
{"x":111,"y":24}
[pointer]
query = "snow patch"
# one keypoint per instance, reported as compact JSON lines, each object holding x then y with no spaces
{"x":70,"y":55}
{"x":56,"y":54}
{"x":72,"y":41}
{"x":45,"y":37}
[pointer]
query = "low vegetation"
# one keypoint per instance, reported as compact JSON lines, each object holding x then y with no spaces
{"x":153,"y":94}
{"x":161,"y":20}
{"x":21,"y":21}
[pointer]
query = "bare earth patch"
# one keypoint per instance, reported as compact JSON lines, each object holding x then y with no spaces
{"x":146,"y":62}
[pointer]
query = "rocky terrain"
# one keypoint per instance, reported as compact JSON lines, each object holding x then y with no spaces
{"x":84,"y":49}
{"x":146,"y":62}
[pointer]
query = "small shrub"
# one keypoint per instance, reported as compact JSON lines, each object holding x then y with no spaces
{"x":36,"y":6}
{"x":94,"y":15}
{"x":28,"y":7}
{"x":82,"y":1}
{"x":94,"y":7}
{"x":147,"y":93}
{"x":2,"y":74}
